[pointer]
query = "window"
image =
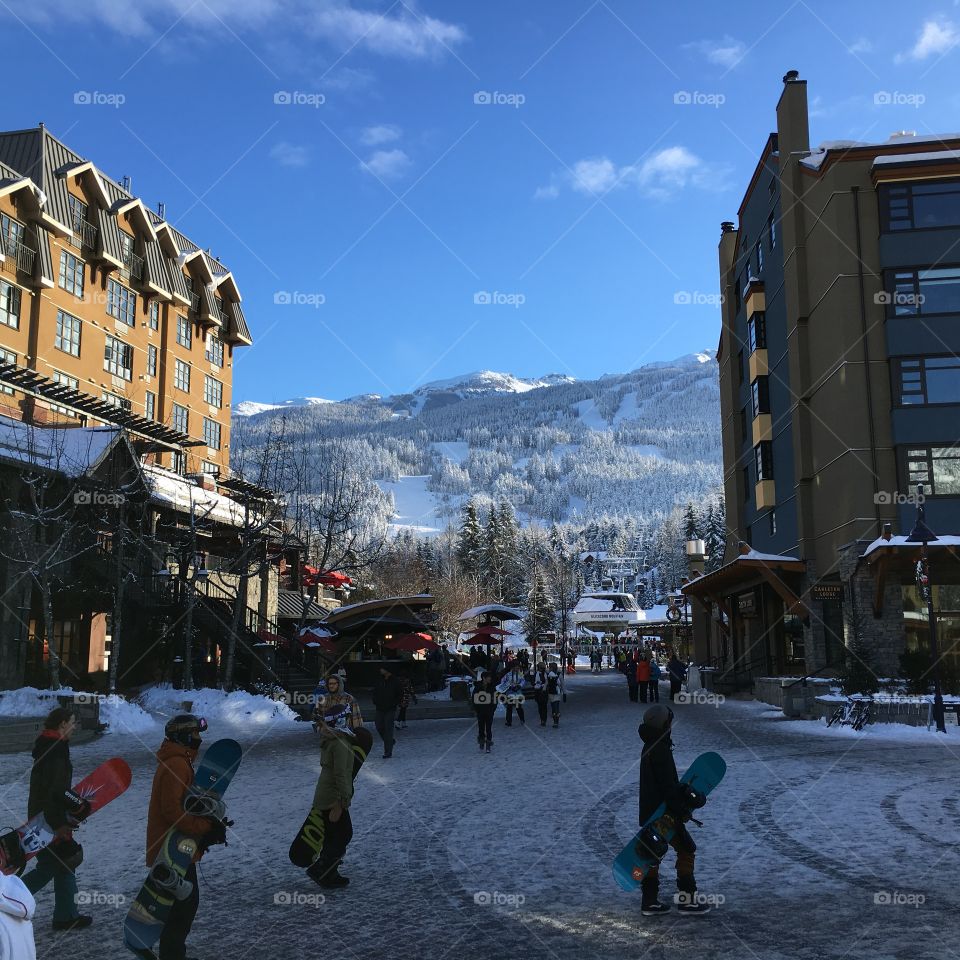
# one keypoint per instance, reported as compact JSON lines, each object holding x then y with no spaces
{"x":209,"y":468}
{"x":184,"y":332}
{"x":10,"y":304}
{"x":71,"y":273}
{"x":215,"y":350}
{"x":924,"y":205}
{"x":11,"y":233}
{"x":772,"y":521}
{"x":744,"y":419}
{"x":757,"y":332}
{"x":121,"y":303}
{"x":68,"y":333}
{"x":151,"y":360}
{"x":181,"y":418}
{"x":937,"y":468}
{"x":126,"y":248}
{"x":746,"y":484}
{"x":118,"y":358}
{"x":922,"y":381}
{"x":178,"y":462}
{"x":213,"y":391}
{"x":150,"y":405}
{"x":760,"y":395}
{"x":153,"y":317}
{"x":740,"y":366}
{"x":923,"y":292}
{"x":6,"y":356}
{"x":759,"y":257}
{"x":772,"y":231}
{"x":121,"y":403}
{"x":211,"y":433}
{"x":181,"y":376}
{"x":78,"y":213}
{"x":64,"y":380}
{"x":763,"y":454}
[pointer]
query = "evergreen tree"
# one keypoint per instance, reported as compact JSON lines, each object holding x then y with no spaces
{"x":470,"y":542}
{"x":493,"y":554}
{"x":540,"y":609}
{"x":691,"y":523}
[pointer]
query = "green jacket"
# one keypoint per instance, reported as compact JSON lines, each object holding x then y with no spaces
{"x":336,"y":774}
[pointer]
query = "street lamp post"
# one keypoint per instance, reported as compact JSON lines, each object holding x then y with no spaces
{"x":923,"y":535}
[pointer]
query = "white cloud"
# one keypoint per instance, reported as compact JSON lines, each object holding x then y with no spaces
{"x":660,"y":176}
{"x":860,"y":45}
{"x":722,"y":53}
{"x":387,"y":164}
{"x":936,"y":38}
{"x":382,"y":133}
{"x":406,"y":33}
{"x":289,"y":154}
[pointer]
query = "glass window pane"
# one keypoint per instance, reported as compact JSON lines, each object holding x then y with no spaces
{"x":939,"y":290}
{"x":943,"y":385}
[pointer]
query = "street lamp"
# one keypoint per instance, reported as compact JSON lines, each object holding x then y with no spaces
{"x":923,"y":535}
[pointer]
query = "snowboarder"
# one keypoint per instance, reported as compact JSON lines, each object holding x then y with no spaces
{"x":643,"y":677}
{"x":406,"y":695}
{"x":171,"y":781}
{"x":333,"y":794}
{"x":386,"y":698}
{"x":677,"y":672}
{"x":50,"y":781}
{"x":554,"y":692}
{"x":540,"y":692}
{"x":485,"y":705}
{"x":655,"y":674}
{"x":659,"y":783}
{"x":17,"y":907}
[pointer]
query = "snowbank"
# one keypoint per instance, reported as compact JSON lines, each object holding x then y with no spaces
{"x":216,"y":705}
{"x":118,"y":714}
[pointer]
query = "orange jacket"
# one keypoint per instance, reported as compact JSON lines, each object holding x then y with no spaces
{"x":643,"y":671}
{"x":170,"y":783}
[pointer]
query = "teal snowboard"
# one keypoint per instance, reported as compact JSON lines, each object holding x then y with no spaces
{"x":148,"y":913}
{"x":635,"y":859}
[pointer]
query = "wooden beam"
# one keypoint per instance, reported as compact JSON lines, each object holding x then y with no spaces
{"x":794,"y":603}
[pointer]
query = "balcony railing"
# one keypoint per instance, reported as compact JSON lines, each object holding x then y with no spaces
{"x":24,"y":256}
{"x":195,"y":302}
{"x":87,"y":233}
{"x":135,"y":266}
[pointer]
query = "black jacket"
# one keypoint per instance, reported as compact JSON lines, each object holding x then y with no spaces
{"x":488,"y":700}
{"x":386,"y":693}
{"x":658,"y":772}
{"x":50,"y":779}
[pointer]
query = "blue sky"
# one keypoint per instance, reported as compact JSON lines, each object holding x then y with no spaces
{"x":409,"y":191}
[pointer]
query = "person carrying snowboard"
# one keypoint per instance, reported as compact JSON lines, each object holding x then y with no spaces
{"x":336,"y":699}
{"x":172,"y":780}
{"x":554,"y":693}
{"x":50,"y":781}
{"x":334,"y":793}
{"x":659,"y":783}
{"x":485,"y":705}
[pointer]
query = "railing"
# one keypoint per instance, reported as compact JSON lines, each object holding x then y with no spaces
{"x":195,"y":302}
{"x":24,"y":256}
{"x":135,"y":265}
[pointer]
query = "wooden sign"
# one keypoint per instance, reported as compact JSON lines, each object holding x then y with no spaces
{"x":827,"y":591}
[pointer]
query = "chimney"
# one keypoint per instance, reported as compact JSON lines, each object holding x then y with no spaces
{"x":887,"y":532}
{"x":793,"y":124}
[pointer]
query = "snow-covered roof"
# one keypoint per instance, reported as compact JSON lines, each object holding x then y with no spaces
{"x":817,"y":156}
{"x":928,"y":157}
{"x":945,"y":540}
{"x":757,"y":555}
{"x":593,"y":605}
{"x":180,"y":493}
{"x":495,"y":609}
{"x":72,"y":451}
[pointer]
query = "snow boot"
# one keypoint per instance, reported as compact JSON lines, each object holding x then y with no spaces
{"x":489,"y":745}
{"x":690,"y":905}
{"x":327,"y":875}
{"x":74,"y":923}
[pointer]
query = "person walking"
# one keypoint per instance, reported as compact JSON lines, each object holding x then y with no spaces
{"x":554,"y":693}
{"x":172,"y":780}
{"x":677,"y":673}
{"x":511,"y":691}
{"x":630,"y":671}
{"x":337,"y":699}
{"x":485,"y":705}
{"x":655,"y":674}
{"x":406,"y":695}
{"x":50,"y":781}
{"x":386,"y":699}
{"x":659,"y":784}
{"x":540,"y":692}
{"x":643,"y":677}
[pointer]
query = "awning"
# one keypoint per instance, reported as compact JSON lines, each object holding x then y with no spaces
{"x":898,"y":555}
{"x":290,"y":606}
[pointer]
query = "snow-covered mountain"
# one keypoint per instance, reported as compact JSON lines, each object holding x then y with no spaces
{"x":250,"y":408}
{"x":633,"y":444}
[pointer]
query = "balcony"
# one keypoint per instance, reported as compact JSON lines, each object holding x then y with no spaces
{"x":762,"y":428}
{"x":19,"y":254}
{"x":134,"y":266}
{"x":765,"y":494}
{"x":758,"y":364}
{"x":195,"y":302}
{"x":754,"y":298}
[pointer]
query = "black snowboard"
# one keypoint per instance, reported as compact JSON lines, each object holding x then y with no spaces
{"x":309,"y":839}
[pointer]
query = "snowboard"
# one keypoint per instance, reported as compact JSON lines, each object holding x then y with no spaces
{"x":106,"y":783}
{"x":633,"y":862}
{"x":309,"y":839}
{"x":165,"y":882}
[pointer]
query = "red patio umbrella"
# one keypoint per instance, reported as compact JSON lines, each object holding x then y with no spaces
{"x":412,"y":642}
{"x":489,"y":631}
{"x":319,"y":637}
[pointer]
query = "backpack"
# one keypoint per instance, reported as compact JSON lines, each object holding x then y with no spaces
{"x":553,"y":684}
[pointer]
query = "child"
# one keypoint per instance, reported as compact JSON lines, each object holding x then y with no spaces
{"x":406,"y":695}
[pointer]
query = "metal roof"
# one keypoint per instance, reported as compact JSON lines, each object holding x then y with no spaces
{"x":290,"y":607}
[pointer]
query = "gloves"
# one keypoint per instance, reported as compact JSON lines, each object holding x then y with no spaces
{"x":78,"y":808}
{"x":217,"y":833}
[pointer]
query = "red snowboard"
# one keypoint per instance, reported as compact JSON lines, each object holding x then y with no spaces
{"x":106,"y":783}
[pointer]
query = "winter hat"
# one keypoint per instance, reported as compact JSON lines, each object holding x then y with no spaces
{"x":658,"y":717}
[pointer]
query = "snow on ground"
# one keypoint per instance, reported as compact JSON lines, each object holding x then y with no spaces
{"x":120,"y":715}
{"x":590,"y":415}
{"x":417,"y":509}
{"x":455,"y":450}
{"x":238,"y":707}
{"x":816,"y":845}
{"x":628,"y":409}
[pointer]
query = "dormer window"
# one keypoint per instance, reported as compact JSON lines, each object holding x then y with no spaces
{"x":78,"y":213}
{"x":126,"y":248}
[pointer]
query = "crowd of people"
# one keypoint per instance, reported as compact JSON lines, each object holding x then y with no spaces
{"x":643,"y":670}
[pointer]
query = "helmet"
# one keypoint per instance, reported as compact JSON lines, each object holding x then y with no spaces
{"x":658,"y":717}
{"x":185,"y":729}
